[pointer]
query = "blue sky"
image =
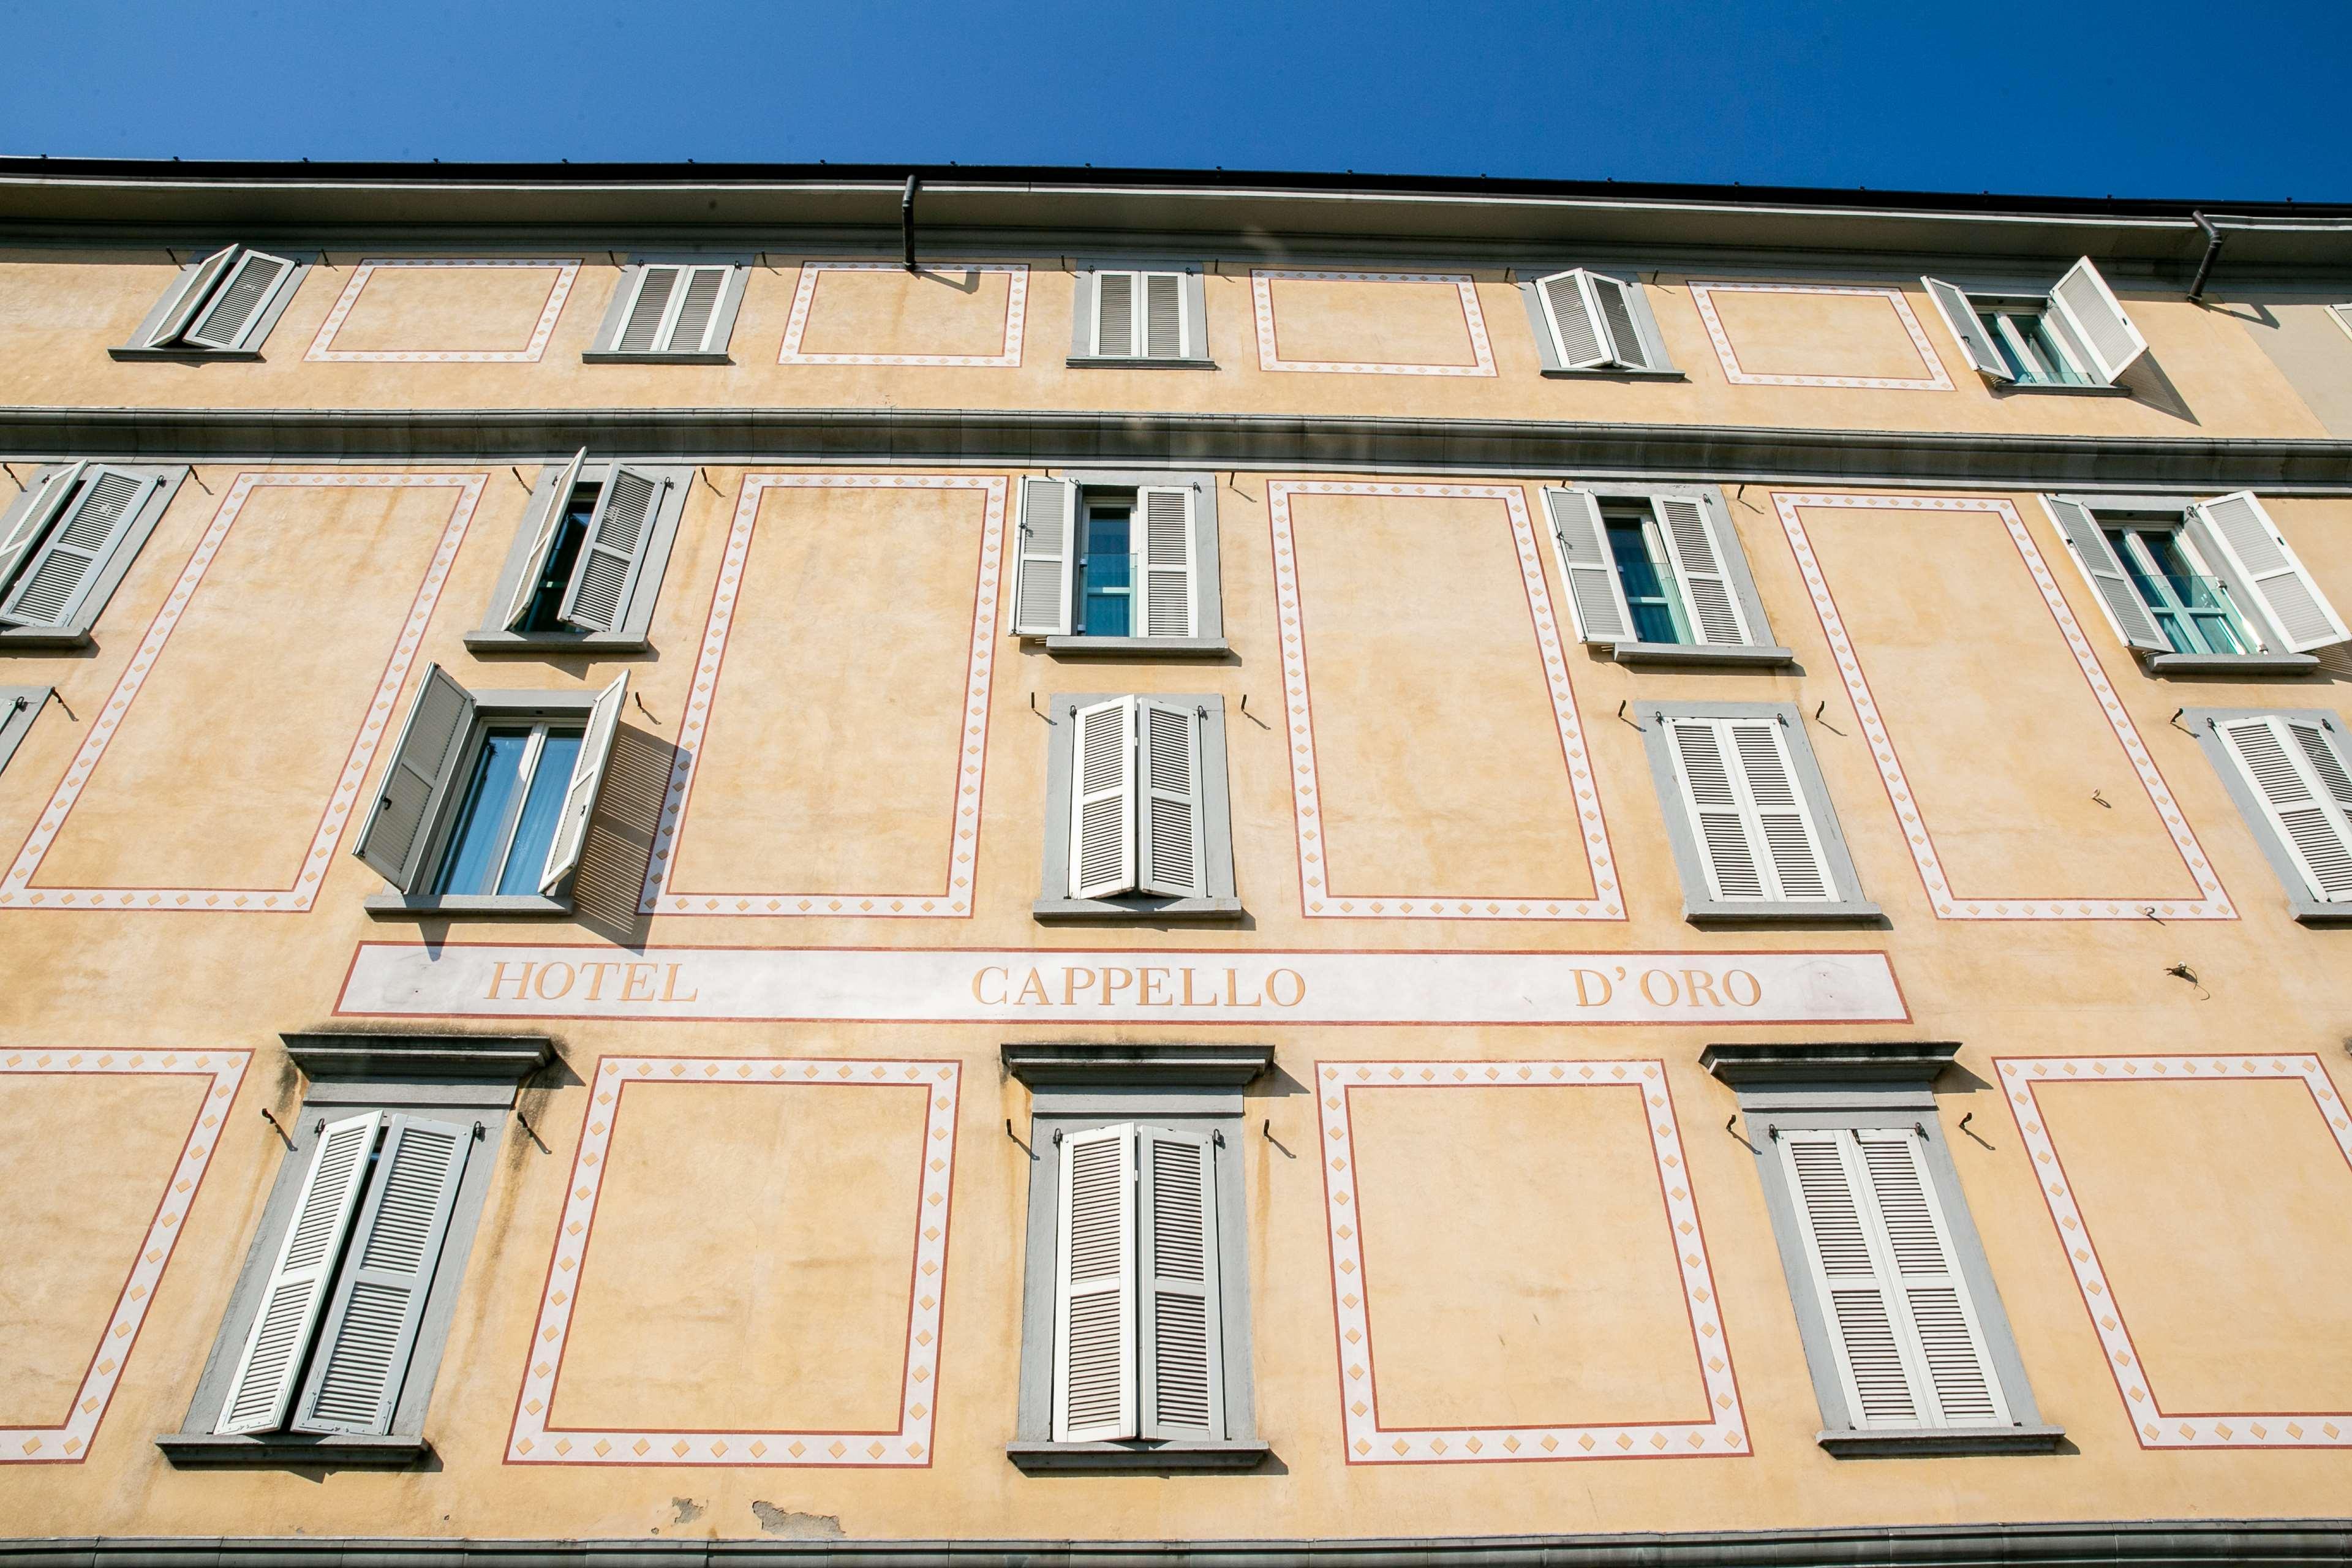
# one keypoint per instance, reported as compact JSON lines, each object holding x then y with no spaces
{"x":2213,"y":100}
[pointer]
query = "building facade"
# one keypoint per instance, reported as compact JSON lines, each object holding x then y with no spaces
{"x":1036,"y":862}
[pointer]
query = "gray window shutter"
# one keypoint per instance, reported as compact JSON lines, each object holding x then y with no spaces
{"x":1182,"y":1316}
{"x":2126,"y":612}
{"x":2303,"y":778}
{"x":2091,"y":308}
{"x":38,"y":510}
{"x":1164,"y":315}
{"x":1698,"y":554}
{"x":1115,"y":314}
{"x":1168,"y":746}
{"x":56,"y":580}
{"x":371,"y":1325}
{"x":1042,"y":587}
{"x":587,"y":779}
{"x":1164,"y":563}
{"x":1094,"y":1288}
{"x":546,"y":525}
{"x":1576,"y":329}
{"x":1102,"y":800}
{"x":262,"y":1389}
{"x":239,"y":300}
{"x":193,"y":288}
{"x":1595,"y":596}
{"x":423,"y":765}
{"x":605,"y":576}
{"x":2253,"y":551}
{"x":1952,"y":304}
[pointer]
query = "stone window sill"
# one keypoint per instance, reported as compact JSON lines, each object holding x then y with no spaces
{"x":607,"y":643}
{"x":1698,"y":653}
{"x":1110,"y":361}
{"x":2246,"y":664}
{"x":1611,"y":373}
{"x":1035,"y":1458}
{"x":2048,"y":389}
{"x":1137,"y":648}
{"x":1924,"y":1442}
{"x":1857,"y":913}
{"x":1186,"y":911}
{"x":468,"y":906}
{"x":608,"y":356}
{"x":185,"y":355}
{"x":43,"y":639}
{"x":186,"y":1449}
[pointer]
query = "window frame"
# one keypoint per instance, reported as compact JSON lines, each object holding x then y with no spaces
{"x":1208,"y":638}
{"x":1734,"y":570}
{"x":1860,"y":1087}
{"x":95,"y":595}
{"x":20,"y":707}
{"x":1980,"y":293}
{"x":1193,"y":309}
{"x":256,"y":333}
{"x":1657,"y":363}
{"x":473,"y":1079}
{"x":632,"y":632}
{"x":605,"y":349}
{"x":1076,"y":1087}
{"x":1055,"y":901}
{"x":538,"y":732}
{"x":2306,"y":906}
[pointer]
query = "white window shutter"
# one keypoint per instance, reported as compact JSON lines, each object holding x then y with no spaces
{"x":262,"y":1389}
{"x":1164,"y":315}
{"x":2300,"y":774}
{"x":371,"y":1325}
{"x":598,"y":599}
{"x":1164,"y":563}
{"x":1727,"y":847}
{"x":1968,"y":328}
{"x":2283,"y":592}
{"x":1167,"y":745}
{"x":1115,"y":314}
{"x":1698,"y":555}
{"x":1595,"y":596}
{"x":1094,"y":1288}
{"x":193,"y":290}
{"x":641,"y":328}
{"x":1576,"y":329}
{"x":1049,"y":525}
{"x":1182,"y":1316}
{"x":1832,"y":1202}
{"x":1948,"y":1342}
{"x":239,"y":300}
{"x":546,"y":526}
{"x":696,"y":308}
{"x":1102,"y":800}
{"x":587,"y":778}
{"x":40,"y":508}
{"x":56,"y":580}
{"x":1779,"y":818}
{"x":1613,"y":306}
{"x":2125,"y":610}
{"x":400,"y":828}
{"x":2097,"y":318}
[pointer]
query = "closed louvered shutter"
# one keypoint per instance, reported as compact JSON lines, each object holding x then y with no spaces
{"x":1182,"y":1332}
{"x":1164,"y":315}
{"x":1595,"y":596}
{"x":697,"y":307}
{"x":546,"y":525}
{"x":193,"y":290}
{"x":401,"y":826}
{"x":1168,"y":743}
{"x":2096,"y":316}
{"x":1799,"y":873}
{"x":1727,"y":847}
{"x":1961,"y":1386}
{"x":2300,"y":773}
{"x":1041,"y":594}
{"x":1094,"y":1288}
{"x":371,"y":1325}
{"x":1164,"y":562}
{"x":238,"y":301}
{"x":1102,"y":800}
{"x":56,"y":580}
{"x":1115,"y":314}
{"x":641,"y":329}
{"x":1755,"y":832}
{"x":1697,"y":557}
{"x":2125,"y":610}
{"x":261,"y":1390}
{"x":587,"y":780}
{"x":1983,"y":353}
{"x":606,"y":575}
{"x":2256,"y":554}
{"x":1576,"y":330}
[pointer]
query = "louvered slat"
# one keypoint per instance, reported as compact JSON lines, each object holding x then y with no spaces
{"x":1042,"y":598}
{"x":1167,"y":564}
{"x":231,"y":312}
{"x":642,"y":330}
{"x":1577,"y":336}
{"x":1094,"y":1279}
{"x":1171,"y":851}
{"x":1594,"y":595}
{"x":1612,"y":298}
{"x":400,"y":827}
{"x":1699,"y":563}
{"x":2282,"y":760}
{"x":1115,"y":314}
{"x":1164,"y":315}
{"x":1102,"y":832}
{"x":96,"y":517}
{"x":2287,"y":594}
{"x":1726,"y":846}
{"x":602,"y":581}
{"x":1183,"y":1388}
{"x":1798,"y":871}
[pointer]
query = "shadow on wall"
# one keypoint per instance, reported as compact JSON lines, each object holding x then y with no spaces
{"x":620,"y":838}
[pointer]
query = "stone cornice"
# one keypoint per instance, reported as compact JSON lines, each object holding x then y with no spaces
{"x":503,"y":1057}
{"x":1876,"y":1062}
{"x":1066,"y":1065}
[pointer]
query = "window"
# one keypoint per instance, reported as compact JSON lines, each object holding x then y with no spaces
{"x":2291,"y":776}
{"x":331,"y":1341}
{"x":2074,"y":336}
{"x":1910,"y":1350}
{"x":67,"y":542}
{"x":1656,"y":574}
{"x":1591,"y":323}
{"x":587,"y":562}
{"x":672,"y":312}
{"x":219,"y":308}
{"x":19,"y":706}
{"x":1754,"y":834}
{"x":484,"y":808}
{"x":1135,"y":1343}
{"x":1120,"y":563}
{"x":2201,"y":586}
{"x":1137,"y":820}
{"x":1141,"y":318}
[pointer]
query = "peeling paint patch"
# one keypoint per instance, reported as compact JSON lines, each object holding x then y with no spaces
{"x":686,"y":1510}
{"x":794,"y":1526}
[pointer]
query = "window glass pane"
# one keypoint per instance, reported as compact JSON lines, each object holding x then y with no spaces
{"x":1649,"y":591}
{"x":1109,"y":571}
{"x":547,"y":600}
{"x":481,"y":817}
{"x":542,"y":808}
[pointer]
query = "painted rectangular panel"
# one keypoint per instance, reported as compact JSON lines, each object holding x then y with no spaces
{"x":443,"y":311}
{"x":876,"y":312}
{"x":1371,"y":323}
{"x":1819,"y":334}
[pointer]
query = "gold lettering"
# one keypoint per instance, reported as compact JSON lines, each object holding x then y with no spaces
{"x":1696,"y":982}
{"x":1584,"y":996}
{"x":669,"y":988}
{"x":1232,"y":991}
{"x":1298,"y":983}
{"x":1190,"y":1000}
{"x":1072,"y":985}
{"x":640,"y":975}
{"x":1153,"y":978}
{"x":1114,"y":979}
{"x":521,"y":981}
{"x":595,"y":973}
{"x":1674,"y":991}
{"x":1731,"y":979}
{"x":547,"y":972}
{"x":978,"y":975}
{"x":1034,"y":992}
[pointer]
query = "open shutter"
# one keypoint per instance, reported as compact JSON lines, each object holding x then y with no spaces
{"x":1857,"y":1307}
{"x":2125,"y":610}
{"x":546,"y":526}
{"x":587,"y":778}
{"x":1115,"y":314}
{"x":51,"y":588}
{"x":1983,"y":353}
{"x":1183,"y":1360}
{"x":1696,"y":554}
{"x":263,"y":1387}
{"x":1094,"y":1288}
{"x":1040,"y":595}
{"x":1164,"y":315}
{"x":1102,"y":800}
{"x":40,"y":507}
{"x":640,"y":329}
{"x":1168,"y":758}
{"x":371,"y":1327}
{"x":1576,"y":331}
{"x":238,"y":301}
{"x":1779,"y":818}
{"x":195,"y":288}
{"x":605,"y":576}
{"x":697,"y":308}
{"x":2252,"y":549}
{"x":1946,"y":1344}
{"x":399,"y":828}
{"x":1595,"y":596}
{"x":2304,"y":784}
{"x":1612,"y":305}
{"x":1726,"y":849}
{"x":1165,"y":561}
{"x":2097,"y":318}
